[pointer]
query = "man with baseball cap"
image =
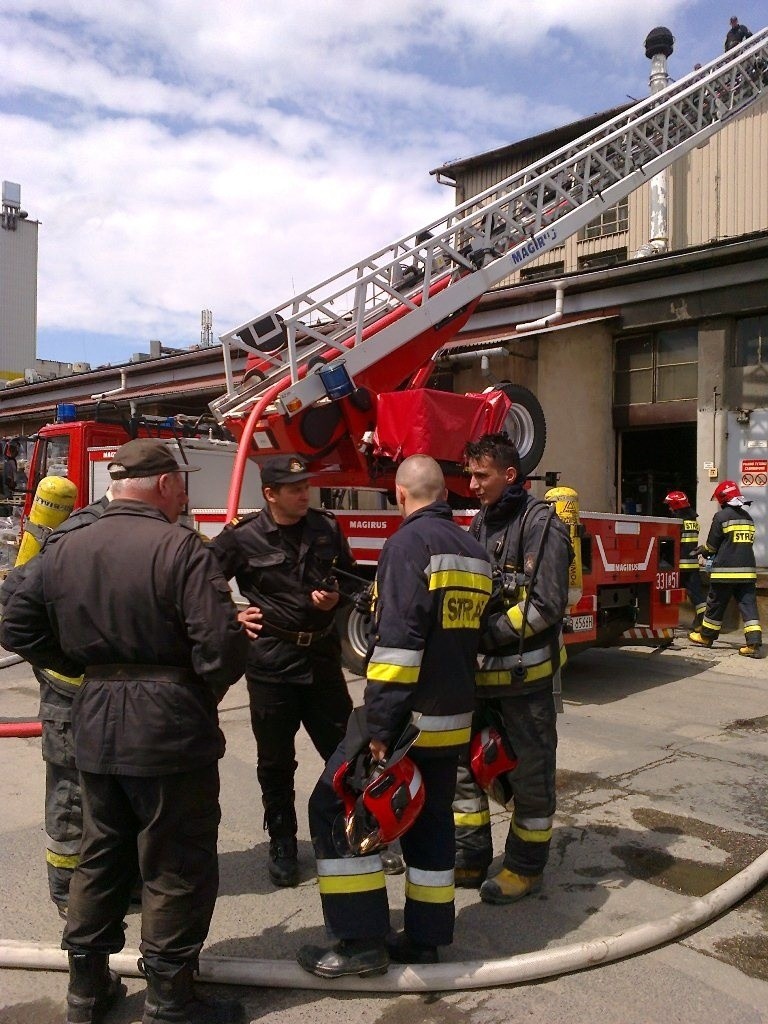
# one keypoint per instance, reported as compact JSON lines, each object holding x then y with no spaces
{"x":283,"y":559}
{"x":139,"y":608}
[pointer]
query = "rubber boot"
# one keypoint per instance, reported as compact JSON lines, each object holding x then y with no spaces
{"x":700,"y":640}
{"x":750,"y":651}
{"x":93,"y":988}
{"x":172,"y":999}
{"x":365,"y":958}
{"x":508,"y":887}
{"x":283,"y":865}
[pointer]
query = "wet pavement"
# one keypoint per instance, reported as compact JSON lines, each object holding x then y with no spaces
{"x":662,"y":797}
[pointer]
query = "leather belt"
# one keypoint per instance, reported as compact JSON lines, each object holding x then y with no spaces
{"x":148,"y":673}
{"x":301,"y":638}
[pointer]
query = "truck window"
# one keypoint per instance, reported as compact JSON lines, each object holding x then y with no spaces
{"x":52,"y":460}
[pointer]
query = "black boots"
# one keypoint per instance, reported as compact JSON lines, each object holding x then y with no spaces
{"x":283,"y":865}
{"x":362,"y":957}
{"x":93,"y":988}
{"x":172,"y":999}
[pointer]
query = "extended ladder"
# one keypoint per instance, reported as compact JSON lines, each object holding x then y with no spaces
{"x":371,"y":309}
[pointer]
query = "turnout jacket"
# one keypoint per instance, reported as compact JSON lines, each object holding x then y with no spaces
{"x":140,"y":607}
{"x":433,"y":582}
{"x":731,"y":540}
{"x":278,"y":577}
{"x":517,"y":532}
{"x":689,"y":539}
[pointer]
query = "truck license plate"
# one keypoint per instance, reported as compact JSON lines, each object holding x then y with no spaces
{"x":583,"y":623}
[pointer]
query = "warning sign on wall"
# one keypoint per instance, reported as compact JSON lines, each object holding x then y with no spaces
{"x":754,"y":472}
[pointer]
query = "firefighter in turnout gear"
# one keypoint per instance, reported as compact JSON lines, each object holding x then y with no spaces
{"x":432,"y":586}
{"x":690,"y":571}
{"x":518,"y":680}
{"x":63,"y":809}
{"x":733,"y":573}
{"x":283,"y":560}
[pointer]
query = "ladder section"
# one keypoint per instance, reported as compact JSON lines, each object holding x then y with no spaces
{"x":373,"y":308}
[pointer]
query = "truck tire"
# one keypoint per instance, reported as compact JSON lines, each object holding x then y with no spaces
{"x":353,"y":631}
{"x":526,"y":425}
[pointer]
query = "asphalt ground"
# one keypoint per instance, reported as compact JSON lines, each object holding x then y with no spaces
{"x":662,"y":797}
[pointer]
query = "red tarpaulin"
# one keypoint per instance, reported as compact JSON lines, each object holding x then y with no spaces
{"x":435,"y":423}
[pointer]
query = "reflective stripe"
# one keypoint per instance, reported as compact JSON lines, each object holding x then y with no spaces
{"x":350,"y":875}
{"x":58,"y":860}
{"x":429,"y":886}
{"x":711,"y":624}
{"x":394,"y":665}
{"x":535,"y":622}
{"x":484,"y":678}
{"x":434,"y":723}
{"x":686,"y":563}
{"x":752,"y":627}
{"x":460,"y":563}
{"x":530,"y":658}
{"x":532,"y":835}
{"x":447,"y":738}
{"x":443,"y":730}
{"x":738,"y":526}
{"x":733,"y":574}
{"x":472,"y":820}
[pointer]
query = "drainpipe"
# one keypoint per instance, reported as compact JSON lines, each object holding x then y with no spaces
{"x":658,"y":46}
{"x":547,"y":321}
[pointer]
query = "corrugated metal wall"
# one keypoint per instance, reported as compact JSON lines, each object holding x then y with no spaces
{"x":18,"y":298}
{"x":716,"y":192}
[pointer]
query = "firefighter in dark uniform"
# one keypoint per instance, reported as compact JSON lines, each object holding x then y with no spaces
{"x":283,"y":559}
{"x":140,"y":608}
{"x":690,"y":572}
{"x":432,"y":585}
{"x":63,"y":810}
{"x":736,"y":34}
{"x":519,"y":673}
{"x":733,"y":574}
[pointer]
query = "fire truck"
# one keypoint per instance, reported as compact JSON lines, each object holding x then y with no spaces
{"x":339,"y":372}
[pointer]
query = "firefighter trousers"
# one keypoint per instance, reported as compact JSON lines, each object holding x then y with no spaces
{"x":353,"y":890}
{"x":691,"y":580}
{"x":63,"y":811}
{"x":278,"y":710}
{"x":530,"y":721}
{"x":745,"y":594}
{"x":168,"y":826}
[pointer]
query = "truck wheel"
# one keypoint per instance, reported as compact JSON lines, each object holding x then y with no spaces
{"x":353,"y":630}
{"x":526,"y":425}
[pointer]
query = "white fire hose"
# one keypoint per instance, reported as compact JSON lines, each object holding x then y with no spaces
{"x":445,"y":977}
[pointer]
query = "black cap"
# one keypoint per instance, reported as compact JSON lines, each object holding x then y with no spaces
{"x":145,"y":456}
{"x":284,"y":469}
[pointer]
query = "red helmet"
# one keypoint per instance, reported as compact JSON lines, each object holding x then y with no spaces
{"x":677,"y":499}
{"x":380,"y":803}
{"x":725,"y":491}
{"x":490,"y":758}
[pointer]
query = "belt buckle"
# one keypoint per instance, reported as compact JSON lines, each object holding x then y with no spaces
{"x":303,"y":639}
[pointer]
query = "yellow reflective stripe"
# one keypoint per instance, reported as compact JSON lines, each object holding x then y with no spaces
{"x":383,"y":673}
{"x":750,"y":628}
{"x":59,"y":860}
{"x":515,"y":616}
{"x":739,"y":527}
{"x":733,"y":574}
{"x":448,"y":738}
{"x":472,"y":820}
{"x":429,"y":893}
{"x":542,"y":835}
{"x":493,"y":678}
{"x":458,"y":578}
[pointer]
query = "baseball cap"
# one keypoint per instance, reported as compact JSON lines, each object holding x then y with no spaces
{"x":284,"y":469}
{"x":145,"y":456}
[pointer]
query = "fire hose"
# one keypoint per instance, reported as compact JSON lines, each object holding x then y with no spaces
{"x":471,"y":974}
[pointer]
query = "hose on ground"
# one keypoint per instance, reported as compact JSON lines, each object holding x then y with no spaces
{"x":546,"y":963}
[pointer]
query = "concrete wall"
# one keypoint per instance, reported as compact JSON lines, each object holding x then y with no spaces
{"x":18,"y":298}
{"x":575,"y":372}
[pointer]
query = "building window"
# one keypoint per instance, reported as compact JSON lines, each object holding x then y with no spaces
{"x":609,"y":258}
{"x":751,"y":341}
{"x":542,"y":273}
{"x":610,"y":221}
{"x":658,"y":367}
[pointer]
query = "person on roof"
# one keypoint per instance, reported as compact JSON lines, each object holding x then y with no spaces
{"x":731,"y":540}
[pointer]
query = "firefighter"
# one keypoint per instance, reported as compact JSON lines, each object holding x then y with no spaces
{"x":63,"y":809}
{"x":690,"y":573}
{"x":733,"y":573}
{"x":519,"y":672}
{"x":8,"y":476}
{"x":139,"y":607}
{"x":283,"y":560}
{"x":432,"y":586}
{"x":736,"y":34}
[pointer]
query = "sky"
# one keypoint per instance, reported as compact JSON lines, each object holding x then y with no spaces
{"x":183,"y":155}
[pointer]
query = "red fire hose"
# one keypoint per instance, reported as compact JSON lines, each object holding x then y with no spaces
{"x":20,"y":729}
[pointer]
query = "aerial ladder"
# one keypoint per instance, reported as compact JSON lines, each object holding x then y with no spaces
{"x":322,"y":362}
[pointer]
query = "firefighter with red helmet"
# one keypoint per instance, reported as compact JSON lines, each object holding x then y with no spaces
{"x":432,"y":586}
{"x":690,"y":573}
{"x":733,"y":573}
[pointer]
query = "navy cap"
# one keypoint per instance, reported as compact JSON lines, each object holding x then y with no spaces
{"x":284,"y":469}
